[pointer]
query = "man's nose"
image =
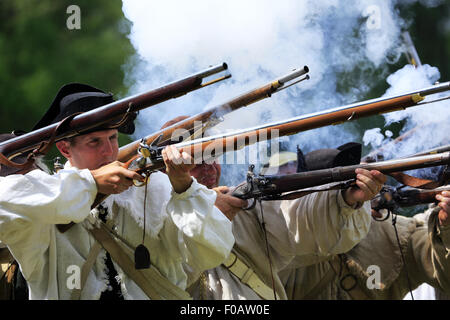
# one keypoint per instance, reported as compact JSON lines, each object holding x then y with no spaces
{"x":107,"y":148}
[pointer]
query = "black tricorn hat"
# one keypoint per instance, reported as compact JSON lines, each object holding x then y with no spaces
{"x":346,"y":155}
{"x":77,"y":97}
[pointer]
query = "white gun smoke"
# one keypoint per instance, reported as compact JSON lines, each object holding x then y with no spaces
{"x":347,"y":48}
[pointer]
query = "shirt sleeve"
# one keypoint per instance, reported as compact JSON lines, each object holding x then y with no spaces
{"x":430,"y":250}
{"x":205,"y":236}
{"x":322,"y":223}
{"x":39,"y":198}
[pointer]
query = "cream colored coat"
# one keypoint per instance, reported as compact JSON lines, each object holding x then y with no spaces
{"x":316,"y":226}
{"x":425,"y":245}
{"x":181,"y":228}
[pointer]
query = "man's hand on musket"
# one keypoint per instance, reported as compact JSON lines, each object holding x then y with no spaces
{"x":368,"y":184}
{"x":444,"y":204}
{"x":177,"y":168}
{"x":114,"y":178}
{"x":228,"y":204}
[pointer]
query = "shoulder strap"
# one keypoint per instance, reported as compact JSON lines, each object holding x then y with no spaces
{"x":347,"y":281}
{"x":336,"y":270}
{"x":321,"y":285}
{"x":247,"y":276}
{"x":155,"y":286}
{"x":87,"y":266}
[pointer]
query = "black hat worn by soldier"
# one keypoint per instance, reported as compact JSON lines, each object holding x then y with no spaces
{"x":345,"y":155}
{"x":74,"y":98}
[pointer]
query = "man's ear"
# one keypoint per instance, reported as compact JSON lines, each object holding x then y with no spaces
{"x":64,"y":148}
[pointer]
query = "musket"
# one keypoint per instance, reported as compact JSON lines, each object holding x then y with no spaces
{"x":197,"y":124}
{"x":410,"y":50}
{"x":391,"y":198}
{"x":436,"y":150}
{"x":205,"y":149}
{"x":377,"y":155}
{"x":277,"y":187}
{"x":111,"y":112}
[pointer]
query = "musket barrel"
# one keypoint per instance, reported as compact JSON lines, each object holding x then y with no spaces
{"x":435,"y":89}
{"x":211,"y":147}
{"x":325,"y":117}
{"x":212,"y":70}
{"x":107,"y":113}
{"x":187,"y":125}
{"x":294,"y":74}
{"x":434,"y":151}
{"x":324,"y":176}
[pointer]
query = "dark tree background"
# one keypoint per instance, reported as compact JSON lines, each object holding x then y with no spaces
{"x":39,"y":54}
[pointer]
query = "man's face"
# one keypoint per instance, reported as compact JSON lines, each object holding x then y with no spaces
{"x":92,"y":150}
{"x":207,"y":174}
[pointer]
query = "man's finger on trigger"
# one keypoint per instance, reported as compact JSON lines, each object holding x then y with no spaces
{"x":130,"y":175}
{"x":138,"y":177}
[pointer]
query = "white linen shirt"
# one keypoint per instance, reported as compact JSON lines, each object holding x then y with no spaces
{"x":299,"y":232}
{"x":181,"y":229}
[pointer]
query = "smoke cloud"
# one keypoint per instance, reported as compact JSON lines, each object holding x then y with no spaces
{"x":347,"y":48}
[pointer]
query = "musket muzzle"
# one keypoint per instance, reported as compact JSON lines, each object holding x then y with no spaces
{"x":294,"y":74}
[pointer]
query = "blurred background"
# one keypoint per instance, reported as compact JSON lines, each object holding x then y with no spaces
{"x":126,"y":47}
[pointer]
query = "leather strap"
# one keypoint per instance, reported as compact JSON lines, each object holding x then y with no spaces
{"x":340,"y":270}
{"x":320,"y":286}
{"x":347,"y":283}
{"x":87,"y":266}
{"x":154,"y":285}
{"x":248,"y":276}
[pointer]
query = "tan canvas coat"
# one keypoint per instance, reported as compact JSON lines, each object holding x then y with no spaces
{"x":316,"y":226}
{"x":426,"y":247}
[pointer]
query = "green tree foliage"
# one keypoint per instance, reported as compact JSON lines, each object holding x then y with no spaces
{"x":39,"y":54}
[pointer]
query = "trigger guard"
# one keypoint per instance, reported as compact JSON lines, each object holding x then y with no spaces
{"x":139,"y":184}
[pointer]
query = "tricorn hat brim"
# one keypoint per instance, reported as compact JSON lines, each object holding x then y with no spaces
{"x":75,"y":98}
